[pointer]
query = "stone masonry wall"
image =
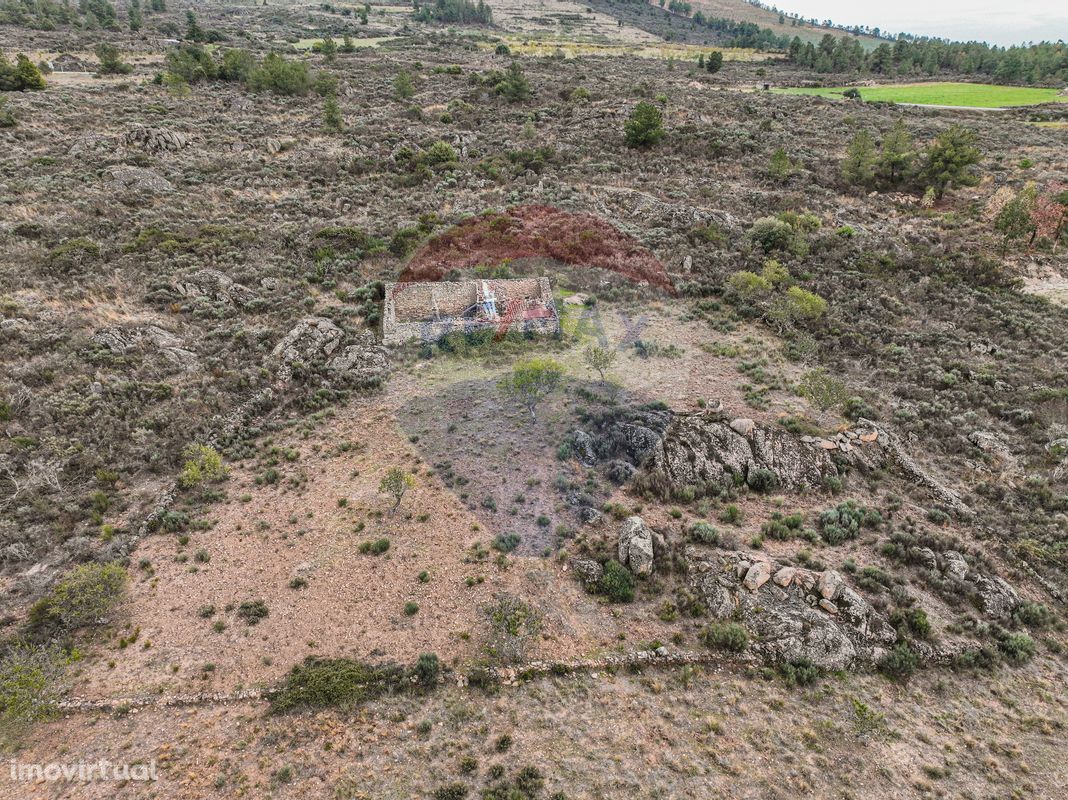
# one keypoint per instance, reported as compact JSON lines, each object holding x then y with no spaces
{"x":408,"y":311}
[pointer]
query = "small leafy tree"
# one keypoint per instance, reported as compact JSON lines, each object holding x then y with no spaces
{"x":396,"y":483}
{"x":823,"y":390}
{"x":202,"y":464}
{"x":645,"y":126}
{"x":532,"y":381}
{"x":599,"y":359}
{"x":30,"y":677}
{"x":111,"y":62}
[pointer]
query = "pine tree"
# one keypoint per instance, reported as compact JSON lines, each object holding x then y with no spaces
{"x":896,"y":154}
{"x":859,"y":165}
{"x":949,"y":159}
{"x":645,"y":126}
{"x":714,"y":62}
{"x":332,"y":120}
{"x":137,"y":19}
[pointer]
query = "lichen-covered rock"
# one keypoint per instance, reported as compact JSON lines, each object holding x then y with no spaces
{"x":364,"y":362}
{"x":955,"y":565}
{"x":124,"y":339}
{"x":583,"y":446}
{"x":701,"y":449}
{"x":589,"y":572}
{"x":636,"y":546}
{"x":311,"y":341}
{"x":138,"y":179}
{"x":996,"y":596}
{"x":216,"y":286}
{"x":156,"y":139}
{"x":790,"y":615}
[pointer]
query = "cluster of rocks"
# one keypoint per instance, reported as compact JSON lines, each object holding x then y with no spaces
{"x":215,"y":286}
{"x":317,"y":341}
{"x":994,"y":595}
{"x":794,"y":613}
{"x":155,"y":139}
{"x":124,"y":339}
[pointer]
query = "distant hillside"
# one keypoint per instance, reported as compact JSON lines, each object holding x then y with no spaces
{"x":743,"y":11}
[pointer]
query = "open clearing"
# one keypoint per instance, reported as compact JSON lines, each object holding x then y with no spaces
{"x":971,"y":95}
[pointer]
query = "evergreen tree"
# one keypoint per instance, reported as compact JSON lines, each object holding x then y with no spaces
{"x":111,"y":62}
{"x":714,"y":62}
{"x":896,"y":154}
{"x":194,"y":32}
{"x":137,"y":19}
{"x":514,"y":87}
{"x":332,"y":120}
{"x":949,"y":159}
{"x":859,"y":165}
{"x":645,"y":126}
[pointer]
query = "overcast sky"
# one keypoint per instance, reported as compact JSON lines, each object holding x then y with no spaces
{"x":995,"y":21}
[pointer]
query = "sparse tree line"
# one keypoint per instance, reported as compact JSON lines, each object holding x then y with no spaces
{"x":47,"y":15}
{"x":896,"y":163}
{"x":1046,"y":62}
{"x":454,"y":11}
{"x":190,"y":64}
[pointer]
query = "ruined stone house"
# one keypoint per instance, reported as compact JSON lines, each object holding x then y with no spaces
{"x":429,"y":311}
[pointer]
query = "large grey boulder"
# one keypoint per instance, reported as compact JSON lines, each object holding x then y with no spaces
{"x":996,"y":596}
{"x":636,"y":546}
{"x":138,"y":179}
{"x":310,"y":341}
{"x":703,"y":449}
{"x":364,"y":362}
{"x":214,"y":285}
{"x":156,"y":139}
{"x":797,"y":614}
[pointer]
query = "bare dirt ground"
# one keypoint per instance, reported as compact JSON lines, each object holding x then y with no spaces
{"x":692,"y":734}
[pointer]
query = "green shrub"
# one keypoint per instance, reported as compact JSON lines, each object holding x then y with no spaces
{"x":899,"y":663}
{"x":782,"y":527}
{"x":202,"y":464}
{"x":375,"y":547}
{"x":725,"y":636}
{"x":252,"y":611}
{"x":281,"y":76}
{"x":426,"y":670}
{"x":336,"y":682}
{"x":771,"y":233}
{"x":703,"y":532}
{"x":762,"y":480}
{"x":617,"y":584}
{"x":29,"y":685}
{"x":645,"y":126}
{"x":844,"y":521}
{"x":506,"y":542}
{"x":1018,"y":648}
{"x":799,"y":672}
{"x":82,"y":598}
{"x":1034,"y":615}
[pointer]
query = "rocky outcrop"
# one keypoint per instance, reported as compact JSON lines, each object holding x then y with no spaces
{"x":119,"y":339}
{"x":363,"y":363}
{"x":703,"y":449}
{"x":315,"y":341}
{"x":138,"y":179}
{"x":794,"y":613}
{"x":155,"y":139}
{"x":589,"y":572}
{"x":215,"y":286}
{"x":993,"y":595}
{"x":636,"y":546}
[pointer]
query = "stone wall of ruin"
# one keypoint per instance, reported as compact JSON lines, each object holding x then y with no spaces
{"x":409,"y":308}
